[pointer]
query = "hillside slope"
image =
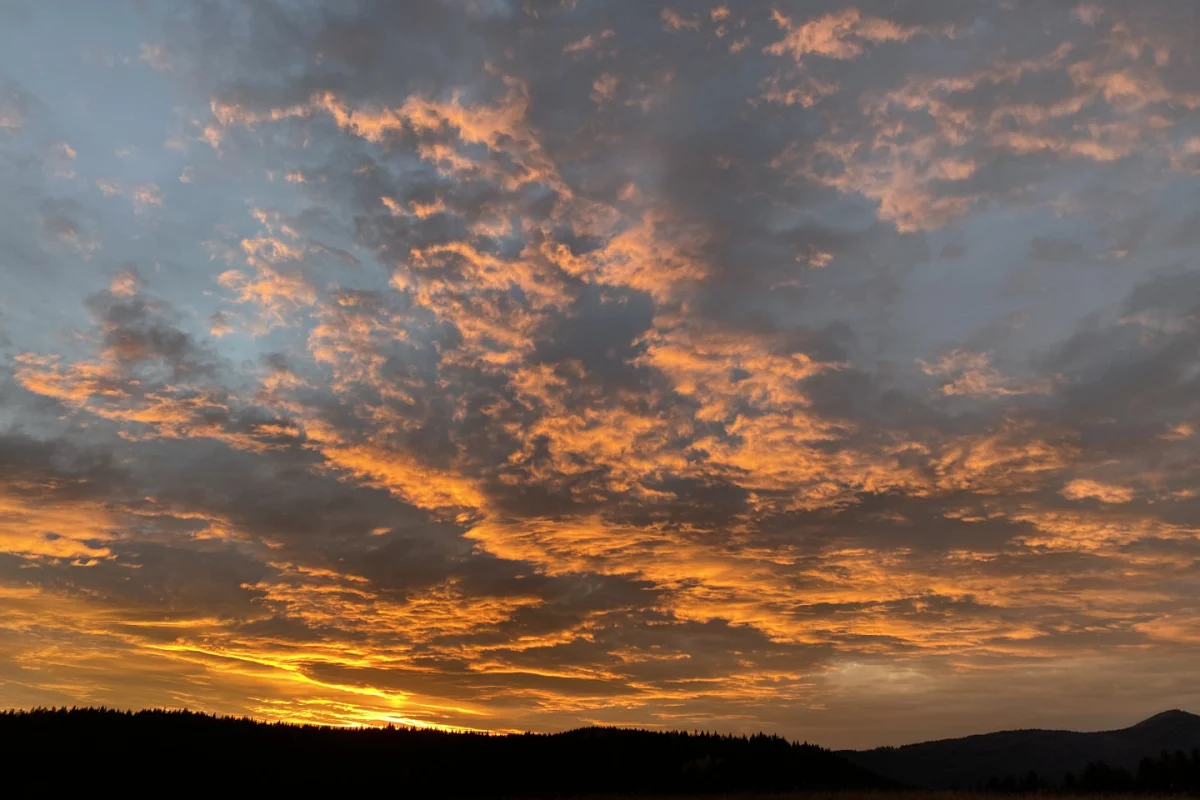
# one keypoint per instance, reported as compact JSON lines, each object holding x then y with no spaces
{"x":963,"y":763}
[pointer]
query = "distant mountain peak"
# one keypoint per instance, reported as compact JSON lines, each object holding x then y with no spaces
{"x":1172,"y":717}
{"x":973,"y":760}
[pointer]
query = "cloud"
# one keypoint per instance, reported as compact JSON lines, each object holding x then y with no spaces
{"x":66,"y":225}
{"x":17,"y":106}
{"x":673,"y":21}
{"x":840,"y":35}
{"x":125,"y":283}
{"x":158,"y":56}
{"x":1080,"y":489}
{"x":54,"y":504}
{"x":58,"y":159}
{"x":973,"y":374}
{"x":145,"y":197}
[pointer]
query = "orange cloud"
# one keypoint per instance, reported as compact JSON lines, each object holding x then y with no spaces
{"x":973,"y":374}
{"x":841,"y":35}
{"x":33,"y":527}
{"x":421,"y":484}
{"x":1083,"y":488}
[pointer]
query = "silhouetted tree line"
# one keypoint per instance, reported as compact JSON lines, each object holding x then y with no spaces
{"x":200,"y":753}
{"x":1170,"y":773}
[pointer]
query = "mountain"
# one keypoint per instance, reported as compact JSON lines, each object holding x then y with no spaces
{"x":150,"y":750}
{"x":966,"y":762}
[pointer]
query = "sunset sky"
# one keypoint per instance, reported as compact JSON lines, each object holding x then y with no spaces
{"x":824,"y":368}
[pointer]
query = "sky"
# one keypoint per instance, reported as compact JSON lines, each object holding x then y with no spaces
{"x":824,"y":368}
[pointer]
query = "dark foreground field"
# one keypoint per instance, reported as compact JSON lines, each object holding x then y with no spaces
{"x":901,"y":794}
{"x":904,"y":794}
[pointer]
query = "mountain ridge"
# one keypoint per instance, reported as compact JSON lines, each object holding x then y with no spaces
{"x":968,"y":761}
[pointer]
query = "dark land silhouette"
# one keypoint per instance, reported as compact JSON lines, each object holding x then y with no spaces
{"x":105,"y":748}
{"x":47,"y":752}
{"x":1157,"y":754}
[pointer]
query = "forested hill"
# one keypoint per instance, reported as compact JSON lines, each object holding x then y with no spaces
{"x":985,"y":759}
{"x":194,"y":752}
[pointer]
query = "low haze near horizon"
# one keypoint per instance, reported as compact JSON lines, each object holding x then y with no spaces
{"x":824,"y":368}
